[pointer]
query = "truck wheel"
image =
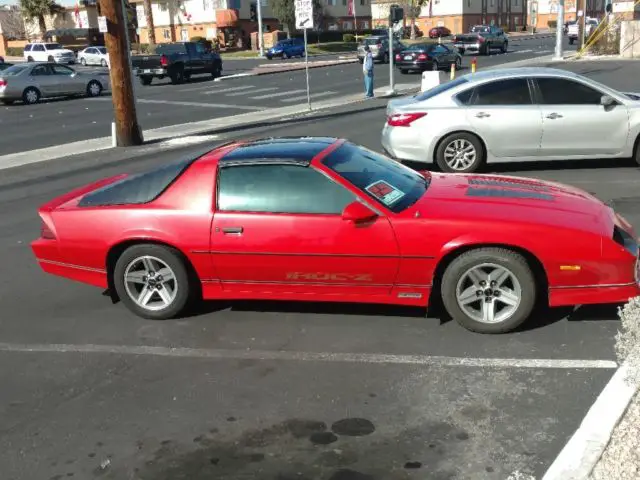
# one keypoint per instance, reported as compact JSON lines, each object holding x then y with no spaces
{"x":177,"y":76}
{"x":217,"y":70}
{"x":146,"y":80}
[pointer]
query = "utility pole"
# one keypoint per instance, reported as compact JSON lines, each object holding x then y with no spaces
{"x":260,"y":39}
{"x":128,"y":131}
{"x":559,"y":54}
{"x":582,"y":21}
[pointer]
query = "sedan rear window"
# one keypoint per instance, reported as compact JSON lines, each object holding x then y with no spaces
{"x":372,"y":41}
{"x":421,"y":46}
{"x":137,"y":189}
{"x":15,"y":70}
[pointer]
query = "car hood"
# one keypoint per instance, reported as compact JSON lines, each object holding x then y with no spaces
{"x":508,"y":198}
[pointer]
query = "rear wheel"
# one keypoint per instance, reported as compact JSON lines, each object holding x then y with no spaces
{"x":94,"y":89}
{"x":505,"y":47}
{"x":460,"y":153}
{"x":31,"y":95}
{"x":177,"y":75}
{"x":404,"y":71}
{"x":435,"y":66}
{"x":152,"y":281}
{"x":145,"y":80}
{"x":217,"y":70}
{"x":489,"y":290}
{"x":636,"y":152}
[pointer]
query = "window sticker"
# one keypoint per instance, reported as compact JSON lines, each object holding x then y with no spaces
{"x":383,"y":191}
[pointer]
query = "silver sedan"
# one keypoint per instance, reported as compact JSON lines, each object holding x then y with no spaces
{"x":29,"y":82}
{"x":513,"y":115}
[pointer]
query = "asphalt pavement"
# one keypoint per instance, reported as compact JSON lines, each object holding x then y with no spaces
{"x":161,"y":104}
{"x":236,"y":391}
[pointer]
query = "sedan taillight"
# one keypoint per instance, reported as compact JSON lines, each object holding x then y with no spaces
{"x":404,"y":119}
{"x":423,"y":56}
{"x":397,"y":56}
{"x":46,"y":233}
{"x":3,"y":82}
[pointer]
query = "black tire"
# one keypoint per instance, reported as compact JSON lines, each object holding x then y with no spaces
{"x":7,"y":102}
{"x":94,"y":89}
{"x":385,"y":59}
{"x":458,"y":63}
{"x":468,"y":137}
{"x":501,"y":257}
{"x":50,"y":58}
{"x":29,"y":59}
{"x":636,"y":151}
{"x":83,"y":62}
{"x":177,"y":76}
{"x":217,"y":70}
{"x":31,"y":96}
{"x":171,"y":258}
{"x":145,"y":80}
{"x":571,"y":40}
{"x":404,"y":71}
{"x":505,"y":47}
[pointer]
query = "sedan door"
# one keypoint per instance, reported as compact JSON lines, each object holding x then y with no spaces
{"x":575,"y":124}
{"x":42,"y":78}
{"x":278,"y":228}
{"x":68,"y":81}
{"x":502,"y":112}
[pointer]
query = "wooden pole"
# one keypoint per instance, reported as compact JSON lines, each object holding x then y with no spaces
{"x":124,"y":108}
{"x":581,"y":5}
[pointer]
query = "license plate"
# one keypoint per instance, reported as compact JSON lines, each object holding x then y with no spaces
{"x":408,"y":57}
{"x":146,"y":70}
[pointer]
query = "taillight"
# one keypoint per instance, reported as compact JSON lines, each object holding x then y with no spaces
{"x":164,"y":61}
{"x":404,"y":119}
{"x":379,"y":45}
{"x":3,"y":82}
{"x":480,"y":38}
{"x":422,"y":56}
{"x":397,"y":56}
{"x":46,"y":233}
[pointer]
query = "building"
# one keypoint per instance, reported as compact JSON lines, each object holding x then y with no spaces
{"x":176,"y":20}
{"x":459,"y":15}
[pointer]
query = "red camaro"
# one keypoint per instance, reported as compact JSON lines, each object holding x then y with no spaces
{"x":323,"y":219}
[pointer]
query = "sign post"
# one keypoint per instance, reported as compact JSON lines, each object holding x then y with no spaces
{"x":304,"y":21}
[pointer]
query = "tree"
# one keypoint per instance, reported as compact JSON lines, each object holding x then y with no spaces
{"x":148,"y":14}
{"x":38,"y":10}
{"x":414,"y":9}
{"x":13,"y":24}
{"x":284,"y":11}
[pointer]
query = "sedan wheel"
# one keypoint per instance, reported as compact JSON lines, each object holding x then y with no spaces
{"x":152,"y":281}
{"x":83,"y":62}
{"x":489,"y":290}
{"x":94,"y":89}
{"x":460,"y":153}
{"x":31,"y":96}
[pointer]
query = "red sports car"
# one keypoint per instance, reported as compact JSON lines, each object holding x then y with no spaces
{"x":323,"y":219}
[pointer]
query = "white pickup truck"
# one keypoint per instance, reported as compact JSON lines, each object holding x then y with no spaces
{"x":590,"y":25}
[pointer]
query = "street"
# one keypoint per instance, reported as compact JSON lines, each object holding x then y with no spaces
{"x":281,"y":390}
{"x":61,"y":121}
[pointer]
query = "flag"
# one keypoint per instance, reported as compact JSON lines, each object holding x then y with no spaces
{"x":77,"y":14}
{"x":352,"y":8}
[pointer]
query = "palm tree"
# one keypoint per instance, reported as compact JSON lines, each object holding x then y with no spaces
{"x":39,"y":9}
{"x":148,"y":13}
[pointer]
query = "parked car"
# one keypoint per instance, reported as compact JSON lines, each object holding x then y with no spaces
{"x":379,"y":46}
{"x":31,"y":82}
{"x":481,"y":39}
{"x":291,"y":47}
{"x":323,"y":219}
{"x":513,"y":115}
{"x":178,"y":61}
{"x":437,"y":32}
{"x":427,"y":56}
{"x":48,"y":52}
{"x":573,"y":30}
{"x":94,"y":56}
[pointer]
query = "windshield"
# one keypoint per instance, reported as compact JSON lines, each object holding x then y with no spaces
{"x":15,"y":70}
{"x":438,"y":89}
{"x":372,"y":41}
{"x":54,"y":46}
{"x":421,"y":46}
{"x":386,"y":181}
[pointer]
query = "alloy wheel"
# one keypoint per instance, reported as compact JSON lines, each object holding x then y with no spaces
{"x":460,"y":154}
{"x":150,"y":283}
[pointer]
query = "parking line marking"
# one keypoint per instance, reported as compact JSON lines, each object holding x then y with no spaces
{"x":224,"y":90}
{"x":224,"y":354}
{"x":281,"y":94}
{"x":304,"y":97}
{"x":199,"y":104}
{"x":268,"y":89}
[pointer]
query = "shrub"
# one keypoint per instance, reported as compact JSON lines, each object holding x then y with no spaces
{"x":348,"y":38}
{"x":552,"y":23}
{"x":628,"y":338}
{"x":14,"y":51}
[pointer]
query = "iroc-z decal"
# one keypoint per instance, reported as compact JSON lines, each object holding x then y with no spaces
{"x":330,"y":277}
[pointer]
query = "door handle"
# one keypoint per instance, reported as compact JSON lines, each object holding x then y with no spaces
{"x":482,"y":115}
{"x":554,"y":115}
{"x":237,"y":230}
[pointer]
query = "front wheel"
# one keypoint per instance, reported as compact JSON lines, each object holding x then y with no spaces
{"x":458,"y":63}
{"x":152,"y":281}
{"x":460,"y":153}
{"x":94,"y":89}
{"x":504,"y":48}
{"x":636,"y":152}
{"x":216,"y":71}
{"x":145,"y":80}
{"x":489,"y":290}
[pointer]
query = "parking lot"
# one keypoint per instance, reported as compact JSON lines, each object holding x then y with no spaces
{"x":285,"y":390}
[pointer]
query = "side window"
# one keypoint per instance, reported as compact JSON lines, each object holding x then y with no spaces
{"x":40,"y":70}
{"x":465,"y":96}
{"x":503,"y":92}
{"x":280,"y":189}
{"x":200,"y":48}
{"x":62,"y":70}
{"x":38,"y":48}
{"x":27,"y":47}
{"x":558,"y":91}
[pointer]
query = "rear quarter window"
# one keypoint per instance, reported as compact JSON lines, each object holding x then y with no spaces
{"x":137,"y":189}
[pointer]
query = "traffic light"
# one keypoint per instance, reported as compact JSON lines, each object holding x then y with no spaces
{"x":396,"y":14}
{"x":253,"y":16}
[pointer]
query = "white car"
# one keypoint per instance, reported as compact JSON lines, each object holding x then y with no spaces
{"x":48,"y":52}
{"x":94,"y":56}
{"x":513,"y":115}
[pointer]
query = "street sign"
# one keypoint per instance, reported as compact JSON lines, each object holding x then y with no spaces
{"x":304,"y":14}
{"x":102,"y":24}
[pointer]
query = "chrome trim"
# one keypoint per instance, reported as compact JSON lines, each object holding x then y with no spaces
{"x":70,"y":265}
{"x":609,"y":285}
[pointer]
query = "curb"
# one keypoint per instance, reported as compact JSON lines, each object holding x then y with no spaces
{"x":276,"y":69}
{"x":582,"y":452}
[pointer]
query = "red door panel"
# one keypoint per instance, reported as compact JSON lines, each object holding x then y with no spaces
{"x":306,"y":253}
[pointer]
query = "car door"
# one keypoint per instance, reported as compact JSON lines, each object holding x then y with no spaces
{"x":441,"y":54}
{"x":67,"y":81}
{"x":93,"y":56}
{"x":42,"y":78}
{"x":278,"y":228}
{"x":575,"y":124}
{"x":502,"y":112}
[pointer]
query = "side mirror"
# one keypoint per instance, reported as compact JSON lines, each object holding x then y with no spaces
{"x":607,"y":101}
{"x":358,"y":212}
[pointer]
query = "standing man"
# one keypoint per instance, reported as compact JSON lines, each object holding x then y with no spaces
{"x":367,"y":70}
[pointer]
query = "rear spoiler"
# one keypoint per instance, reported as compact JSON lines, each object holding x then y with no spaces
{"x":62,"y":199}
